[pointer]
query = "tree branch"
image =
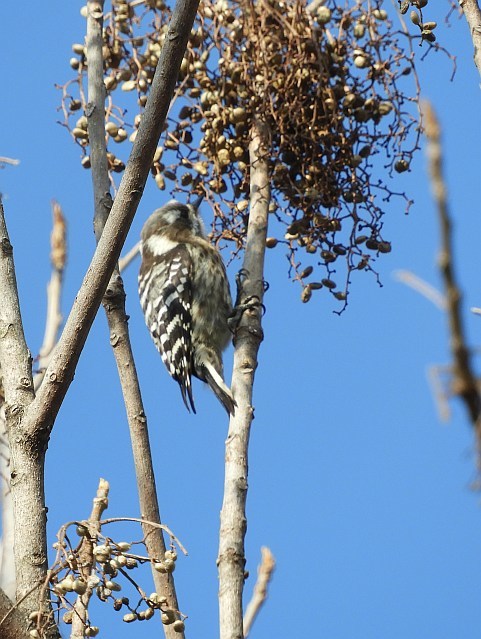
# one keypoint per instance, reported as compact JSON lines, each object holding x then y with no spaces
{"x":264,"y":575}
{"x":86,"y":560}
{"x":15,"y":360}
{"x":464,"y":384}
{"x":472,"y":14}
{"x":12,"y":621}
{"x":7,"y":563}
{"x":58,"y":258}
{"x":27,"y":452}
{"x":114,"y":305}
{"x":61,"y":369}
{"x":233,"y":522}
{"x":62,"y":366}
{"x":30,"y":422}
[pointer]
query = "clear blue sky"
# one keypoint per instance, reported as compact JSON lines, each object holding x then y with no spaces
{"x":362,"y":494}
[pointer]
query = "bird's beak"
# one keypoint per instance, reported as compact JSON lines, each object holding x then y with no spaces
{"x":198,"y":201}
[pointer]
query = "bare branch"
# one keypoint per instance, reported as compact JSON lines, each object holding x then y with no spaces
{"x":114,"y":305}
{"x":233,"y":523}
{"x":27,"y":453}
{"x":59,"y":375}
{"x":422,"y":287}
{"x":58,"y":258}
{"x":7,"y":563}
{"x":129,"y":257}
{"x":29,"y":426}
{"x":472,"y":13}
{"x":464,"y":382}
{"x":264,"y":575}
{"x":86,"y":560}
{"x":4,"y":160}
{"x":15,"y":359}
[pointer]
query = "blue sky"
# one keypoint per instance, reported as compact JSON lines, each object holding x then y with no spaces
{"x":362,"y":494}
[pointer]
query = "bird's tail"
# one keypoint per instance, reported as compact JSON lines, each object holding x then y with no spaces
{"x":208,"y":367}
{"x":219,"y":387}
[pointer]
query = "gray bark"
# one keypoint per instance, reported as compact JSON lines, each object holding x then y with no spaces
{"x":233,"y":522}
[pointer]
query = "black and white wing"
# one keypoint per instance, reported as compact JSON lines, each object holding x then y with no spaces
{"x":165,"y":287}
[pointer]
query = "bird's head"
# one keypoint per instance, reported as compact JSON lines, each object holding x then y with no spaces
{"x":176,"y":215}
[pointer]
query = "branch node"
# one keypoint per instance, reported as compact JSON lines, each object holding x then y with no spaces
{"x":6,"y":247}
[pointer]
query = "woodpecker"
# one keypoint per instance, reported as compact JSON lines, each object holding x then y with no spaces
{"x":185,"y":295}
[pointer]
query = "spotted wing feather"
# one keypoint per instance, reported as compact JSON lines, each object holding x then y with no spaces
{"x":166,"y":297}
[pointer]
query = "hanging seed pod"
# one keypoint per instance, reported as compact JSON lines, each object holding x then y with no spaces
{"x":384,"y":247}
{"x":306,"y":294}
{"x":328,"y":283}
{"x":306,"y":272}
{"x":401,"y":165}
{"x":121,"y":135}
{"x":323,"y":15}
{"x":415,"y":17}
{"x":74,"y":105}
{"x":129,"y":617}
{"x":129,"y":85}
{"x":80,"y":134}
{"x":111,"y":128}
{"x":79,"y":586}
{"x":168,"y":616}
{"x":159,"y":180}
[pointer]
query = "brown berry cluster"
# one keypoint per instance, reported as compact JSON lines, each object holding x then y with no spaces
{"x":416,"y":17}
{"x":101,"y":566}
{"x":329,"y":78}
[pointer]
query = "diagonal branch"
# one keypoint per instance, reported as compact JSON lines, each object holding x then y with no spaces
{"x":61,"y":369}
{"x":233,"y":522}
{"x":114,"y":305}
{"x":465,"y":384}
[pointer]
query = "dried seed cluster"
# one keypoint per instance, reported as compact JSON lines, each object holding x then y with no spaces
{"x":99,"y":565}
{"x":416,"y":17}
{"x":330,"y":80}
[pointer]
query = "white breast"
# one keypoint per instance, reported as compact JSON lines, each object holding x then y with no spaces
{"x":159,"y":245}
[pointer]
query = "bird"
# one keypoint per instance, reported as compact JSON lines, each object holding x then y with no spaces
{"x":185,"y":296}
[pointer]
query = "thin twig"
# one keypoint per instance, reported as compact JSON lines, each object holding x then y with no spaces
{"x":422,"y":287}
{"x":4,"y":160}
{"x":53,"y":322}
{"x":149,"y":523}
{"x":264,"y":575}
{"x":248,"y":337}
{"x":464,"y":378}
{"x":86,"y":560}
{"x":126,"y":259}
